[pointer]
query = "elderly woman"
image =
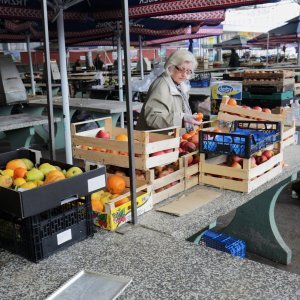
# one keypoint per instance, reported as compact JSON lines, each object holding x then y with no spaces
{"x":167,"y":99}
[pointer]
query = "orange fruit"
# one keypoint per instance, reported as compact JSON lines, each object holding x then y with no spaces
{"x":217,"y":130}
{"x":186,"y":136}
{"x":121,"y":137}
{"x":232,"y":101}
{"x":192,"y":132}
{"x":115,"y":184}
{"x":15,"y":163}
{"x":19,"y":172}
{"x":199,"y":116}
{"x":122,"y":201}
{"x":97,"y":205}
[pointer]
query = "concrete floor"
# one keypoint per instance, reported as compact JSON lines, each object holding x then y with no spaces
{"x":287,"y":213}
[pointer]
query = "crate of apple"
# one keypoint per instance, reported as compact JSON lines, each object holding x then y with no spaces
{"x":257,"y":159}
{"x":109,"y":145}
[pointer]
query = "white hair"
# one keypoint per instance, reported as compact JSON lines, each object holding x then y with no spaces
{"x":179,"y":57}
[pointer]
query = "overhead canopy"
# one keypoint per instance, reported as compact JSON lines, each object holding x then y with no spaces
{"x":286,"y":34}
{"x":237,"y":42}
{"x":105,"y":10}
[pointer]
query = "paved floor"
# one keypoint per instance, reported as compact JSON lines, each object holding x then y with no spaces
{"x":287,"y":217}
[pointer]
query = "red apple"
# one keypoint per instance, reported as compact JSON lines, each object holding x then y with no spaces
{"x":267,"y":110}
{"x":246,"y":107}
{"x":102,"y":134}
{"x":168,"y":150}
{"x":261,"y":159}
{"x":163,"y":173}
{"x":195,"y":140}
{"x":257,"y":108}
{"x":235,"y":158}
{"x":196,"y":159}
{"x":236,"y":165}
{"x":189,"y":146}
{"x":157,"y":153}
{"x":190,"y":160}
{"x":182,"y":144}
{"x":268,"y":153}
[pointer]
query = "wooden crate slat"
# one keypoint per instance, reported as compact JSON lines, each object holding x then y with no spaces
{"x":173,"y":190}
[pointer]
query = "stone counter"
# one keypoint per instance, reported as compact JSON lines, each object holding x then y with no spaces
{"x":160,"y":266}
{"x":187,"y":225}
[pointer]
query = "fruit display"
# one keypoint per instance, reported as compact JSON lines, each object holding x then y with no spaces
{"x":228,"y":113}
{"x":19,"y":175}
{"x":30,"y":184}
{"x":244,"y":139}
{"x":108,"y":145}
{"x":241,"y":174}
{"x":112,"y":206}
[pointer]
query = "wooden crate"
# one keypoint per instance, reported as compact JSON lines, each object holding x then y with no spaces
{"x":107,"y":151}
{"x":191,"y":173}
{"x":214,"y":172}
{"x":269,"y":82}
{"x":267,"y":74}
{"x":230,"y":113}
{"x":158,"y":183}
{"x":113,"y":216}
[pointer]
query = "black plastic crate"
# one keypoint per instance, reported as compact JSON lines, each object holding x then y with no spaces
{"x":223,"y":242}
{"x":39,"y":236}
{"x":244,"y":139}
{"x":31,"y":202}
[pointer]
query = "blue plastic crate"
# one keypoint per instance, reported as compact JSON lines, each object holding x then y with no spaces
{"x":200,"y":83}
{"x":244,"y":139}
{"x":223,"y":242}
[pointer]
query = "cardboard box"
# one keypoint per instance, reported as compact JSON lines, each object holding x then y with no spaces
{"x":230,"y":88}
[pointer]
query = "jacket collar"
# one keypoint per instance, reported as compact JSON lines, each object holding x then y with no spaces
{"x":171,"y":84}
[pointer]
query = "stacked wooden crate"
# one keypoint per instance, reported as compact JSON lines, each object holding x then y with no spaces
{"x":229,"y":113}
{"x":224,"y":167}
{"x":152,"y":149}
{"x":268,"y":88}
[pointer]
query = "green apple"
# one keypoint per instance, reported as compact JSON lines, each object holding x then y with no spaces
{"x":29,"y":164}
{"x":46,"y":168}
{"x":73,"y":171}
{"x":34,"y":175}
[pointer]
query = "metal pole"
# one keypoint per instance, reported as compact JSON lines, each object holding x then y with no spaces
{"x":298,"y":54}
{"x":267,"y":58}
{"x":120,"y":70}
{"x":30,"y":65}
{"x":129,"y":114}
{"x":141,"y":57}
{"x":48,"y":82}
{"x":64,"y":85}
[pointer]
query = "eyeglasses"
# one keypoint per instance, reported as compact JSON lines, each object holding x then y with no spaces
{"x":183,"y":70}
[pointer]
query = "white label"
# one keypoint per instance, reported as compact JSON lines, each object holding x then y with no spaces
{"x":96,"y":183}
{"x":64,"y":237}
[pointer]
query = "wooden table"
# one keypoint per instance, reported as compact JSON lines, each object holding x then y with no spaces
{"x":19,"y":128}
{"x":97,"y":108}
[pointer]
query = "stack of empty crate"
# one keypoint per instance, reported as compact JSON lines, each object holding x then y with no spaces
{"x":268,"y":88}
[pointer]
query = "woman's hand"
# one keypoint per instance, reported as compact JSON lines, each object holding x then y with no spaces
{"x":191,"y":119}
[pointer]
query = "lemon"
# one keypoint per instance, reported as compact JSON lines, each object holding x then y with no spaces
{"x":19,"y":181}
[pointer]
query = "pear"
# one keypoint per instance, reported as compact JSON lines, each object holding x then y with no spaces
{"x":29,"y":164}
{"x":5,"y":181}
{"x":46,"y":168}
{"x":34,"y":175}
{"x":73,"y":171}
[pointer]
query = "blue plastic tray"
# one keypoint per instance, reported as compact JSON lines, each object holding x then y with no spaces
{"x":225,"y":243}
{"x":244,"y":139}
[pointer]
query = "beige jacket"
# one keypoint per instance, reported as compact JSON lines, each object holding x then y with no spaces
{"x":164,"y":106}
